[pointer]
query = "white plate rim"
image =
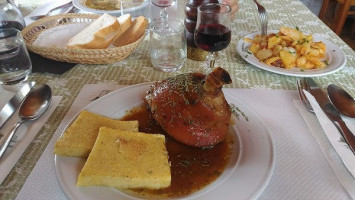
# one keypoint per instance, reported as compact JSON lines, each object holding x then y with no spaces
{"x":80,"y":5}
{"x":211,"y":191}
{"x":336,"y":56}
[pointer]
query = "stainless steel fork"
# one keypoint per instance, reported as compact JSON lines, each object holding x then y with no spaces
{"x":306,"y":104}
{"x":263,"y":17}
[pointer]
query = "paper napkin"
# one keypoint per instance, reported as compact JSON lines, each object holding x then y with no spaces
{"x":23,"y":137}
{"x":336,"y":151}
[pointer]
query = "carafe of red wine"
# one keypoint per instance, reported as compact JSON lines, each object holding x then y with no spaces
{"x":193,"y":52}
{"x":10,"y":15}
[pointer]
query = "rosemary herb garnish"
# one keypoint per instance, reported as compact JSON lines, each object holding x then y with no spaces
{"x":237,"y":112}
{"x":185,"y":163}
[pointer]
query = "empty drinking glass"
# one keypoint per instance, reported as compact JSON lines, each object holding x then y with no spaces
{"x":15,"y":64}
{"x":167,"y":45}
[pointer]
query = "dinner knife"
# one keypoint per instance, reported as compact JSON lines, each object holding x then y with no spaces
{"x":331,"y":112}
{"x":11,"y":106}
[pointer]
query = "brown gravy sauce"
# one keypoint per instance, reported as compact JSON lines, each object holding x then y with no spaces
{"x":191,"y":168}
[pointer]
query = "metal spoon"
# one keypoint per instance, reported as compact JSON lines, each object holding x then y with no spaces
{"x":342,"y":101}
{"x":32,"y":107}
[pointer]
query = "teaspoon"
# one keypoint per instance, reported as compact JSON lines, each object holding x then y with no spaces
{"x":32,"y":107}
{"x":342,"y":101}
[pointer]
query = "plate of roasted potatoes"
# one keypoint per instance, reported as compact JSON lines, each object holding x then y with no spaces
{"x":289,"y":51}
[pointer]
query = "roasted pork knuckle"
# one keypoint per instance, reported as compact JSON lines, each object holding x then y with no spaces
{"x":191,"y":107}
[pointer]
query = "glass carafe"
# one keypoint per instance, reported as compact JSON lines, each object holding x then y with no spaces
{"x":10,"y":15}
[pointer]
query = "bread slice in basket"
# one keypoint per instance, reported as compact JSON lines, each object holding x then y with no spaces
{"x":79,"y":138}
{"x":98,"y":35}
{"x":135,"y":31}
{"x":124,"y":159}
{"x":125,"y":23}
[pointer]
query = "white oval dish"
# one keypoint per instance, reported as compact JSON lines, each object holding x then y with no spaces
{"x":80,"y":4}
{"x":245,"y":176}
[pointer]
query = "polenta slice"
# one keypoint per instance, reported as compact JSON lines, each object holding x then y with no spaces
{"x":124,"y":159}
{"x":79,"y":138}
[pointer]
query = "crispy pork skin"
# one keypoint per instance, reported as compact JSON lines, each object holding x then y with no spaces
{"x":192,"y":107}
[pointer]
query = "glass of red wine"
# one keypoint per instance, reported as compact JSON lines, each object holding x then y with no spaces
{"x":163,"y":4}
{"x":212,"y":31}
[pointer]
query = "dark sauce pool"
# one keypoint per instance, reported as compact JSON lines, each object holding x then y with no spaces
{"x":191,"y":168}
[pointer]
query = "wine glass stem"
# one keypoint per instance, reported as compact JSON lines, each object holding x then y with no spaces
{"x":164,"y":16}
{"x":212,"y":58}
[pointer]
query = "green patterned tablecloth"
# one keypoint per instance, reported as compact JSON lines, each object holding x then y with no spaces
{"x":137,"y":69}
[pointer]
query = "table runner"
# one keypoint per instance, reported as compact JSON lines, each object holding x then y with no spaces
{"x":137,"y":69}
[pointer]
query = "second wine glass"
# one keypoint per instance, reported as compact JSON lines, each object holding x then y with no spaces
{"x":212,"y":31}
{"x":163,"y":4}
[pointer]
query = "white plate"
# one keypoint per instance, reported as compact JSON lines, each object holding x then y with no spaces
{"x":80,"y":4}
{"x":334,"y":56}
{"x":244,"y":177}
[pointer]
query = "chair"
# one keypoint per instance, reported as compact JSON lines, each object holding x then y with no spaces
{"x":334,"y":13}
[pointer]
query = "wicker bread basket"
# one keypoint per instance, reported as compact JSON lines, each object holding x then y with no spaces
{"x":84,"y":56}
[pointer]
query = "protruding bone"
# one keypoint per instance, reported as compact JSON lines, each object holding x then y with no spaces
{"x":216,"y":79}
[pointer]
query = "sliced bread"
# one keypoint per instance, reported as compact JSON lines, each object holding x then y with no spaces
{"x":124,"y":159}
{"x":98,"y":35}
{"x":125,"y":23}
{"x":136,"y":31}
{"x":79,"y":138}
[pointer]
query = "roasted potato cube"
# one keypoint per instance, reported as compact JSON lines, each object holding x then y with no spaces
{"x":320,"y":46}
{"x":276,"y":50}
{"x":301,"y":61}
{"x":254,"y":48}
{"x":273,"y":41}
{"x":317,"y":62}
{"x":298,"y":48}
{"x":264,"y":54}
{"x":249,"y":40}
{"x":283,"y":43}
{"x":274,"y":61}
{"x":290,"y":32}
{"x":288,"y":58}
{"x":305,"y":49}
{"x":309,"y":65}
{"x":287,"y":38}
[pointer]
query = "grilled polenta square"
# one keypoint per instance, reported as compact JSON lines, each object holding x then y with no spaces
{"x":124,"y":159}
{"x":79,"y":138}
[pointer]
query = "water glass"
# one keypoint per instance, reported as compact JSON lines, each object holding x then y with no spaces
{"x":167,"y":45}
{"x":15,"y":63}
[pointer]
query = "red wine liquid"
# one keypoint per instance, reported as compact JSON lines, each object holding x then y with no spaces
{"x":191,"y":18}
{"x":163,"y":3}
{"x":212,"y":37}
{"x":11,"y":24}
